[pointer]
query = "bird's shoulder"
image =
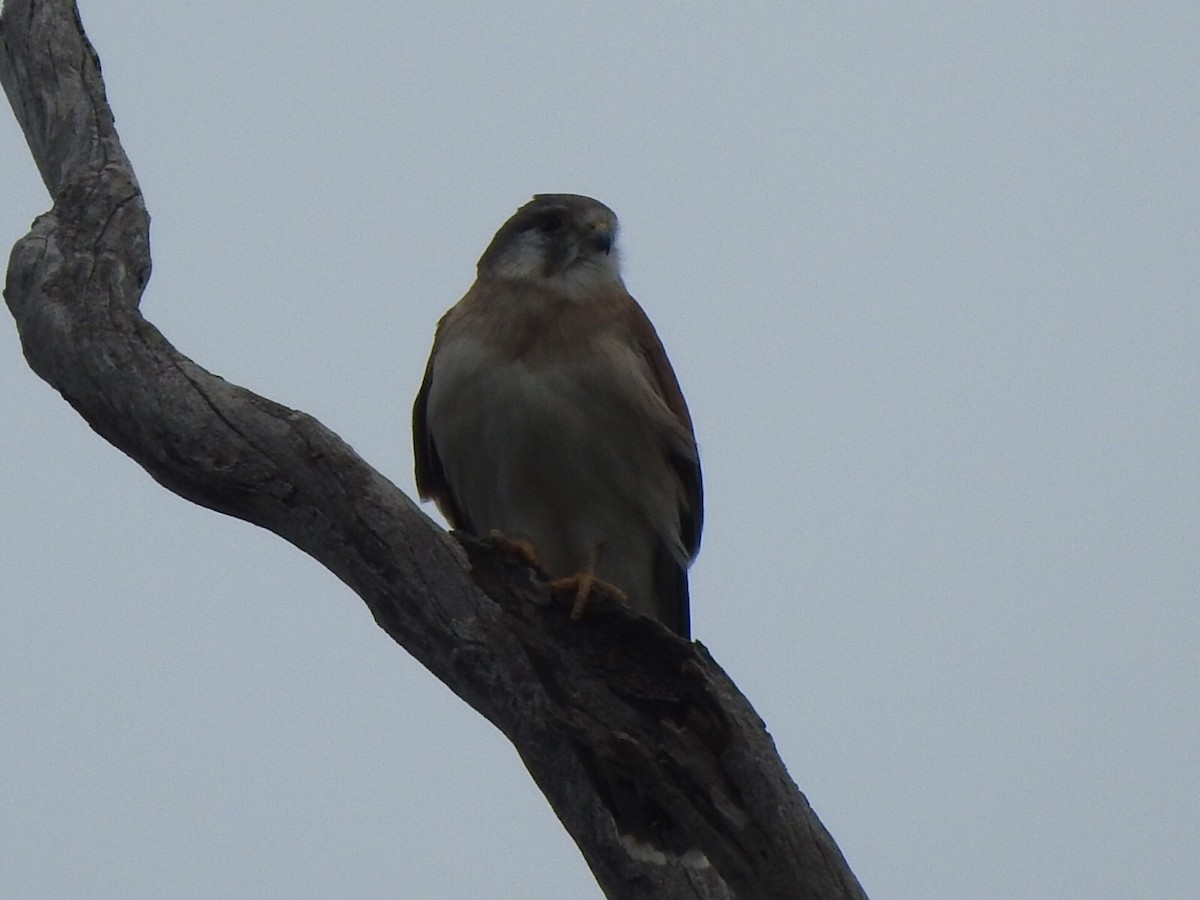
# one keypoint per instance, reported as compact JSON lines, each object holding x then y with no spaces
{"x":533,"y":320}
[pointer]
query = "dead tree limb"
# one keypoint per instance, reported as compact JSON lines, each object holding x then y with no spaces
{"x":651,"y":757}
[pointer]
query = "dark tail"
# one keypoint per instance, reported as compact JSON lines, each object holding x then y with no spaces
{"x":672,"y":604}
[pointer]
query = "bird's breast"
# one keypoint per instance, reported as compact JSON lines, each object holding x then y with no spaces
{"x":540,"y":402}
{"x":562,"y":447}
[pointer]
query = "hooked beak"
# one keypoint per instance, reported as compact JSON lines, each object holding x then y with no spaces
{"x":600,"y":238}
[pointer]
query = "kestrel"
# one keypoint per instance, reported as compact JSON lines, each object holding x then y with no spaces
{"x":550,"y":414}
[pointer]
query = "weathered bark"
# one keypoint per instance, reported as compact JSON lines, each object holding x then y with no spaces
{"x":655,"y":763}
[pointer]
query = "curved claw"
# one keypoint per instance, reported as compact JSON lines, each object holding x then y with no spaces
{"x":521,"y":548}
{"x":582,"y":583}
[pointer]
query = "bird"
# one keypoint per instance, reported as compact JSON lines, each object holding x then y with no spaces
{"x":550,"y":417}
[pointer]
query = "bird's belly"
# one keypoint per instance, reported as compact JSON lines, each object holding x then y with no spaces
{"x":559,"y":454}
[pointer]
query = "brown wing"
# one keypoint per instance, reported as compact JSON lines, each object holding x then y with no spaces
{"x":671,"y":572}
{"x":685,"y":459}
{"x":431,"y":477}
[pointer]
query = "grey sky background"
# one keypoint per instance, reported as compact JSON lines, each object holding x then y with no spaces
{"x":928,"y":274}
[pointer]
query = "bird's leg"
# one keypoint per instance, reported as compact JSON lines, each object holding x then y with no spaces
{"x":582,"y":582}
{"x":521,"y":548}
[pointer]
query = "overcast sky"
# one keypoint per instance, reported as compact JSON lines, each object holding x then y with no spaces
{"x":929,"y":276}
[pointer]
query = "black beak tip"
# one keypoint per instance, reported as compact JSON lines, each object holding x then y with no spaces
{"x":602,"y":240}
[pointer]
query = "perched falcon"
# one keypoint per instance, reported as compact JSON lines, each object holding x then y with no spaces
{"x":550,"y":414}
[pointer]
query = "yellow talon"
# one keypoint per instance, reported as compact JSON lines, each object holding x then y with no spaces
{"x":521,"y":548}
{"x":582,"y":583}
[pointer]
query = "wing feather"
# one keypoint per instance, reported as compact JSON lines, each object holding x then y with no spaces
{"x":685,"y":458}
{"x":671,"y":572}
{"x":430,"y":475}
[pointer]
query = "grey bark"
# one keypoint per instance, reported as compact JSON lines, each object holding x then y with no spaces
{"x":654,"y":762}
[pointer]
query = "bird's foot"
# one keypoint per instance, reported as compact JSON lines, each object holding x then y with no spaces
{"x":521,"y":548}
{"x":581,"y":585}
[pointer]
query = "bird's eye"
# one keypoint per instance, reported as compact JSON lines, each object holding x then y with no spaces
{"x":549,"y":223}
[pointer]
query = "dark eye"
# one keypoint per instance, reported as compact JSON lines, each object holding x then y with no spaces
{"x":548,"y":223}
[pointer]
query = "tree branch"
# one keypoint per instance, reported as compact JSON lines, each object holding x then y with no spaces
{"x":655,"y":763}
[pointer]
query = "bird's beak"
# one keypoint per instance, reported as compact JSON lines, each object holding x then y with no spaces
{"x":600,"y":238}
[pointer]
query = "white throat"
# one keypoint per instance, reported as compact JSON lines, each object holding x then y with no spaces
{"x":581,"y":276}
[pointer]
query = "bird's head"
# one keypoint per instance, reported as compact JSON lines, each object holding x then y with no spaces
{"x":560,"y":237}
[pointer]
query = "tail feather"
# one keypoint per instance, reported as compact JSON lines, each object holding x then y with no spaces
{"x":671,"y":602}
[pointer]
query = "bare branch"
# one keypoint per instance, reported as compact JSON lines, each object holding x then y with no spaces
{"x":652,"y":759}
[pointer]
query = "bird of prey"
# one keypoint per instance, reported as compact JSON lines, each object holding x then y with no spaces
{"x":550,"y":415}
